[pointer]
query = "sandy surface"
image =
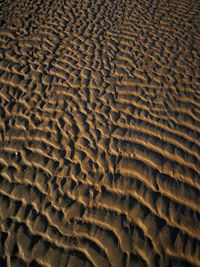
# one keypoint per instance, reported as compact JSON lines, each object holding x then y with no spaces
{"x":99,"y":133}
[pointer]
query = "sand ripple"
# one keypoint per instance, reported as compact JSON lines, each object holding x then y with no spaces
{"x":99,"y":133}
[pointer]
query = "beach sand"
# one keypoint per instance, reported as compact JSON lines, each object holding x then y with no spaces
{"x":99,"y":133}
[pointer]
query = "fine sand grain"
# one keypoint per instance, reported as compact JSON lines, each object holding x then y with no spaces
{"x":99,"y":133}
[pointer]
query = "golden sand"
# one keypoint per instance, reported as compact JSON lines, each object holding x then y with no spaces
{"x":99,"y":133}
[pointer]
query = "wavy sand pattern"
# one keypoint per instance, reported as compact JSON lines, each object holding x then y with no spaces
{"x":100,"y":133}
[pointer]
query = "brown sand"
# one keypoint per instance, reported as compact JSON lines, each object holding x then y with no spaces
{"x":100,"y":133}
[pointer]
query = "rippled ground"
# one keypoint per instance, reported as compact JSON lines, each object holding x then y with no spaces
{"x":100,"y":133}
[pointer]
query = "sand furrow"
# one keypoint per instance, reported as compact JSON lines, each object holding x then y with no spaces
{"x":99,"y":133}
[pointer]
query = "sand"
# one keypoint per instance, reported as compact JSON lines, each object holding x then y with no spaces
{"x":99,"y":133}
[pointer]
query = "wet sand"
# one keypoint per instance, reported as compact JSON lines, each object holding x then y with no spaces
{"x":99,"y":133}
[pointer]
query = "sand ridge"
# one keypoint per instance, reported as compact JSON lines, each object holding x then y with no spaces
{"x":99,"y":133}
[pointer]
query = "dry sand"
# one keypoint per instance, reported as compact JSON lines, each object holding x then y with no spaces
{"x":100,"y":133}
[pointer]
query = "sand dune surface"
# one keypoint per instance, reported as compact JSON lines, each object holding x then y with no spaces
{"x":99,"y":133}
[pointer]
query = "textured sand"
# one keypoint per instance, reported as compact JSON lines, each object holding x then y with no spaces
{"x":100,"y":133}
